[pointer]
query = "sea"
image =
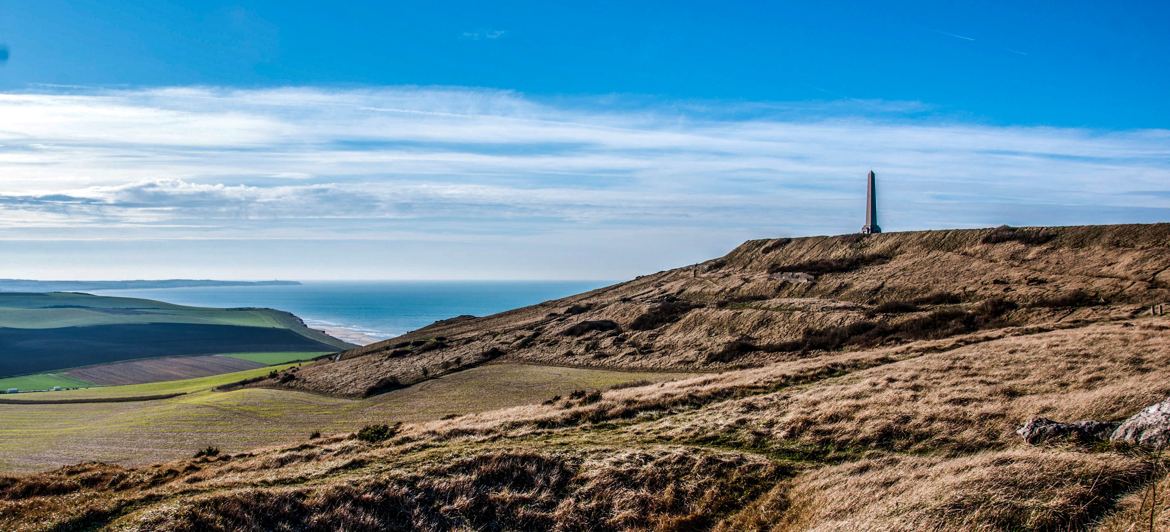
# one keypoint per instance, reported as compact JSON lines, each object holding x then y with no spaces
{"x":364,"y":312}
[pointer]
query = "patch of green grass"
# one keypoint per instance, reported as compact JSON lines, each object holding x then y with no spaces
{"x":42,"y":381}
{"x":42,"y":436}
{"x":277,"y":358}
{"x":197,"y":384}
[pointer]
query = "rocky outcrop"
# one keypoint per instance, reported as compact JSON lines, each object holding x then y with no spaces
{"x":1149,"y":428}
{"x":1040,"y":430}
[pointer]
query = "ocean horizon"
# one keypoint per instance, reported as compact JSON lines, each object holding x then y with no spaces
{"x":366,"y":311}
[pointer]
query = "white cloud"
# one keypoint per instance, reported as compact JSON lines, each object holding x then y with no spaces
{"x":429,"y":164}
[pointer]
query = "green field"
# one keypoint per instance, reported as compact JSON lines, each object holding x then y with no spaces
{"x":43,"y":333}
{"x":42,"y":436}
{"x":200,"y":384}
{"x":277,"y":358}
{"x":70,"y":309}
{"x":42,"y":381}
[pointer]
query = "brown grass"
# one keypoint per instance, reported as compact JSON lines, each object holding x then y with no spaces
{"x":900,"y":423}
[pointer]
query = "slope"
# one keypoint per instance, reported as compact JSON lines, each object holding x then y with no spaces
{"x":777,"y":300}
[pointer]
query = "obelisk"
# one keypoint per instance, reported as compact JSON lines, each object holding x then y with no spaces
{"x":871,"y":226}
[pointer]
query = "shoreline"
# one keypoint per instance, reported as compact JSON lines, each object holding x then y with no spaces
{"x":347,"y":334}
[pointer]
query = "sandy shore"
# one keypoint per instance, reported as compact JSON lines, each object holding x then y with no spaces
{"x":348,"y":335}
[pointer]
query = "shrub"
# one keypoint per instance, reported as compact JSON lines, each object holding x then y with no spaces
{"x":377,"y":433}
{"x":316,"y":434}
{"x":668,"y":311}
{"x":552,"y":400}
{"x":732,"y":350}
{"x":588,"y":326}
{"x":775,"y":245}
{"x":431,"y":345}
{"x":387,"y":384}
{"x":591,"y":397}
{"x":573,"y":310}
{"x":208,"y":452}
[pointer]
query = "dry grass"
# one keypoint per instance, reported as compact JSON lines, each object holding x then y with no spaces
{"x":913,"y":432}
{"x":683,"y":318}
{"x":807,"y":444}
{"x":1009,"y":490}
{"x":959,"y":401}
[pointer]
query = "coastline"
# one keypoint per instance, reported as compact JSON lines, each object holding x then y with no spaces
{"x":347,"y":334}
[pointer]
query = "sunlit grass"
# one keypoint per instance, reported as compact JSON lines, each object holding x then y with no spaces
{"x":277,"y":358}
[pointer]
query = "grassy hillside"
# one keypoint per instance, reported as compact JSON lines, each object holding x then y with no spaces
{"x":54,"y":331}
{"x":39,"y":436}
{"x":854,"y":383}
{"x":777,"y":300}
{"x":43,"y":381}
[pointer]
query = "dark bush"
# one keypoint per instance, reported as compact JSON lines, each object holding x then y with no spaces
{"x":775,"y":245}
{"x":839,"y":265}
{"x":552,"y":400}
{"x":1030,"y":237}
{"x":431,"y":345}
{"x":315,"y":434}
{"x":385,"y":385}
{"x":589,"y":326}
{"x":208,"y":452}
{"x":668,"y":311}
{"x":287,"y":377}
{"x":377,"y":433}
{"x":591,"y":397}
{"x":732,"y":350}
{"x":573,"y":310}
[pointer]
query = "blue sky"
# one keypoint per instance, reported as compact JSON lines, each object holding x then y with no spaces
{"x":537,"y":140}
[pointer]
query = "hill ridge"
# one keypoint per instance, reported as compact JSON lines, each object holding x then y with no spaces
{"x":770,"y":300}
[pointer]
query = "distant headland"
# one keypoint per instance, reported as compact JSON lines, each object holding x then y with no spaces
{"x":27,"y":285}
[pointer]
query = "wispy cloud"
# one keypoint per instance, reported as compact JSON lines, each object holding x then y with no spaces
{"x":483,"y":35}
{"x":428,"y":164}
{"x":954,"y":35}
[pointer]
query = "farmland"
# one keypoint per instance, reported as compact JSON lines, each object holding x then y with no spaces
{"x":51,"y":332}
{"x":43,"y":381}
{"x":36,"y":437}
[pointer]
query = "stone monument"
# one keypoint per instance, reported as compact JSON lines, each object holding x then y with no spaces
{"x":871,"y":225}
